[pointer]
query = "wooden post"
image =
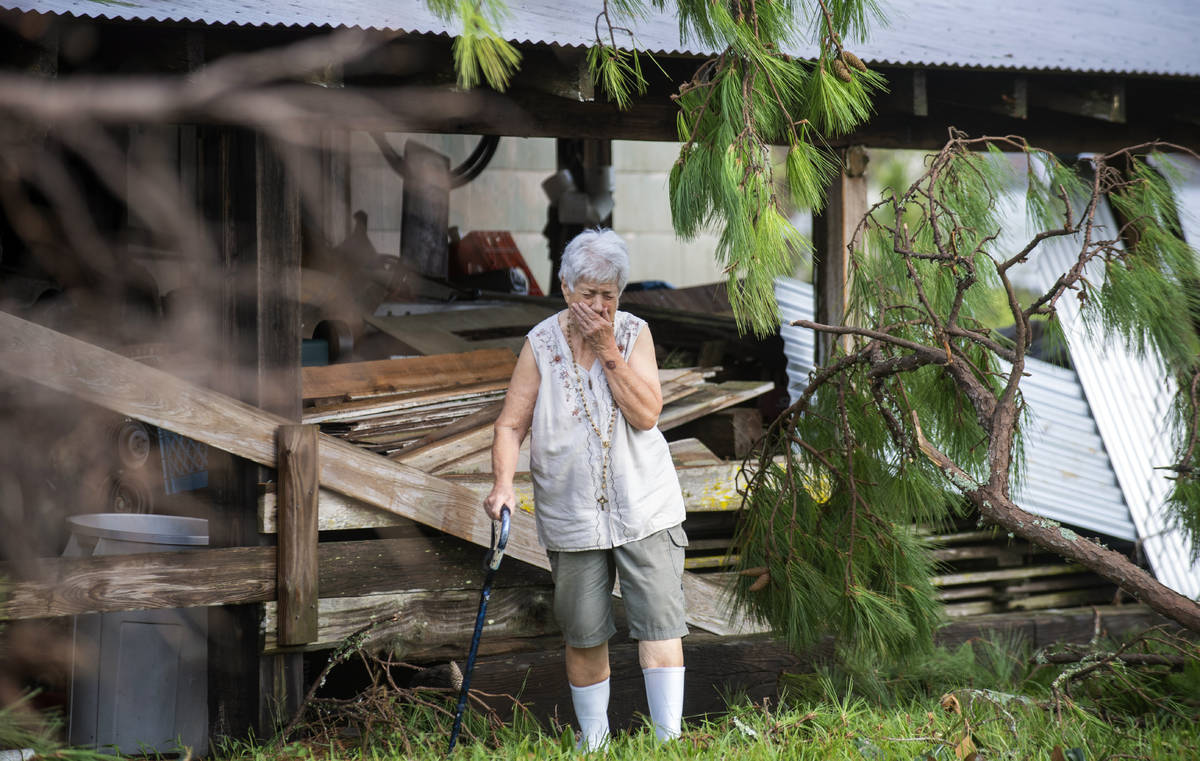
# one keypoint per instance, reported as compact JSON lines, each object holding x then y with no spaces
{"x":254,"y":211}
{"x":425,"y":215}
{"x":297,"y":567}
{"x":833,"y":233}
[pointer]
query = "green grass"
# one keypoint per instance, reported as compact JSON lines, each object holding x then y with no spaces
{"x":834,"y":728}
{"x":988,"y":697}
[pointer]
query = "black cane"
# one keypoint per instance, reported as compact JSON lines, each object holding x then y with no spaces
{"x":490,"y":563}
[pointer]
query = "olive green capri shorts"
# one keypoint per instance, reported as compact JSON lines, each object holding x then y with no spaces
{"x":651,"y":573}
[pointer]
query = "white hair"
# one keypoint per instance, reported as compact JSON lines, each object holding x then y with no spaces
{"x":598,"y":255}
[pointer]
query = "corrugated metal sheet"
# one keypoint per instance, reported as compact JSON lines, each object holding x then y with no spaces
{"x":1069,"y":476}
{"x":796,"y":301}
{"x":1129,"y":399}
{"x":1119,"y":36}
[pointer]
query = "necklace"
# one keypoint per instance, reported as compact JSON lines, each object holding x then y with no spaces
{"x":605,"y":442}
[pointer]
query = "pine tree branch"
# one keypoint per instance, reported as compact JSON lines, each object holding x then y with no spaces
{"x":934,"y":356}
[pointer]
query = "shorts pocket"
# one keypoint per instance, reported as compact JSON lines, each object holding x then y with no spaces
{"x":676,"y":541}
{"x":677,"y":535}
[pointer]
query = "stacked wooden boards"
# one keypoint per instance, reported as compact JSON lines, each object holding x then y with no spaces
{"x":436,"y":412}
{"x":389,"y":405}
{"x":121,"y":385}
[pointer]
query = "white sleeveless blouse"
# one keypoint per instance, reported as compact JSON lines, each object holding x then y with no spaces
{"x":566,"y":455}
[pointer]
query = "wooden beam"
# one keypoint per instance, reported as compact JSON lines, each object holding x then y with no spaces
{"x":297,"y":571}
{"x":833,"y":241}
{"x":706,"y":488}
{"x":254,"y":211}
{"x":427,"y":618}
{"x":1007,"y":574}
{"x":72,"y":366}
{"x":50,"y":587}
{"x":385,"y":377}
{"x":730,"y":433}
{"x":994,"y":92}
{"x":1101,"y":98}
{"x":749,"y":667}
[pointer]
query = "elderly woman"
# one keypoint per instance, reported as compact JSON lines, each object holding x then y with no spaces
{"x":607,"y":498}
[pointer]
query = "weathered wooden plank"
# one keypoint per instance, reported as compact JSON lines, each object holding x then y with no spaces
{"x":730,"y":433}
{"x":706,"y":488}
{"x":445,"y":616}
{"x":716,"y":668}
{"x":237,"y":575}
{"x":443,"y":413}
{"x":474,"y":421}
{"x":193,"y":578}
{"x":709,"y":397}
{"x":1026,"y":572}
{"x":976,"y":608}
{"x":962,"y":537}
{"x":393,"y":376}
{"x":1042,"y":628}
{"x":965,"y":593}
{"x":692,"y":452}
{"x":1065,"y":599}
{"x":698,"y":562}
{"x":297,"y":567}
{"x":404,"y":401}
{"x":1003,"y":555}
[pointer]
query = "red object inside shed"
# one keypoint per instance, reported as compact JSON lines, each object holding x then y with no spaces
{"x":487,"y":250}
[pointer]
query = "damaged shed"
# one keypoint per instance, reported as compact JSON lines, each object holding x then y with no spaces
{"x":343,"y":497}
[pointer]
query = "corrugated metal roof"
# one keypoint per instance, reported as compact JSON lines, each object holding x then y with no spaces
{"x":1069,"y":476}
{"x":1159,"y":37}
{"x":1130,"y":398}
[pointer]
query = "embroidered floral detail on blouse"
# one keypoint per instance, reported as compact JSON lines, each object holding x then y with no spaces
{"x":557,"y":358}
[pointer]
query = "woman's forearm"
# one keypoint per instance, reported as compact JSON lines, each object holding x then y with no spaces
{"x":640,"y":401}
{"x":506,"y":449}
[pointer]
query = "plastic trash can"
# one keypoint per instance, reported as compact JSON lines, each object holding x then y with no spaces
{"x":139,"y":681}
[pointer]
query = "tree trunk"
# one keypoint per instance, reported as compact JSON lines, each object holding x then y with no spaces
{"x":999,"y":509}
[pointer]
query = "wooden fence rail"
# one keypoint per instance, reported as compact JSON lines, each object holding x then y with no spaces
{"x":236,"y":575}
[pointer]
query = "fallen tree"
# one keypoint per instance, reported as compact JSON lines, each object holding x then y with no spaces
{"x":918,"y":413}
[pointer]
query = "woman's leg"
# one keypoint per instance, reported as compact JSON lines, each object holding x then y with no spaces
{"x":588,"y":665}
{"x":583,"y":583}
{"x":651,"y":572}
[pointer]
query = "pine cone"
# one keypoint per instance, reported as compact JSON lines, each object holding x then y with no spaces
{"x":759,"y":583}
{"x":841,"y":71}
{"x":853,"y":60}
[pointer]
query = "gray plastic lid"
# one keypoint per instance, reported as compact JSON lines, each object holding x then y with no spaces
{"x":148,"y":529}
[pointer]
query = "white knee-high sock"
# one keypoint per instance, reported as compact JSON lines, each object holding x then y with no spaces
{"x":664,"y":693}
{"x":591,"y":710}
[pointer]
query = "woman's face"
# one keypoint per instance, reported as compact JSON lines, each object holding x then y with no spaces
{"x":602,"y":298}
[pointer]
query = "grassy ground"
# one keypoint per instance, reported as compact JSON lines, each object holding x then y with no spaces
{"x":844,"y":729}
{"x":989,"y":699}
{"x":985,"y":700}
